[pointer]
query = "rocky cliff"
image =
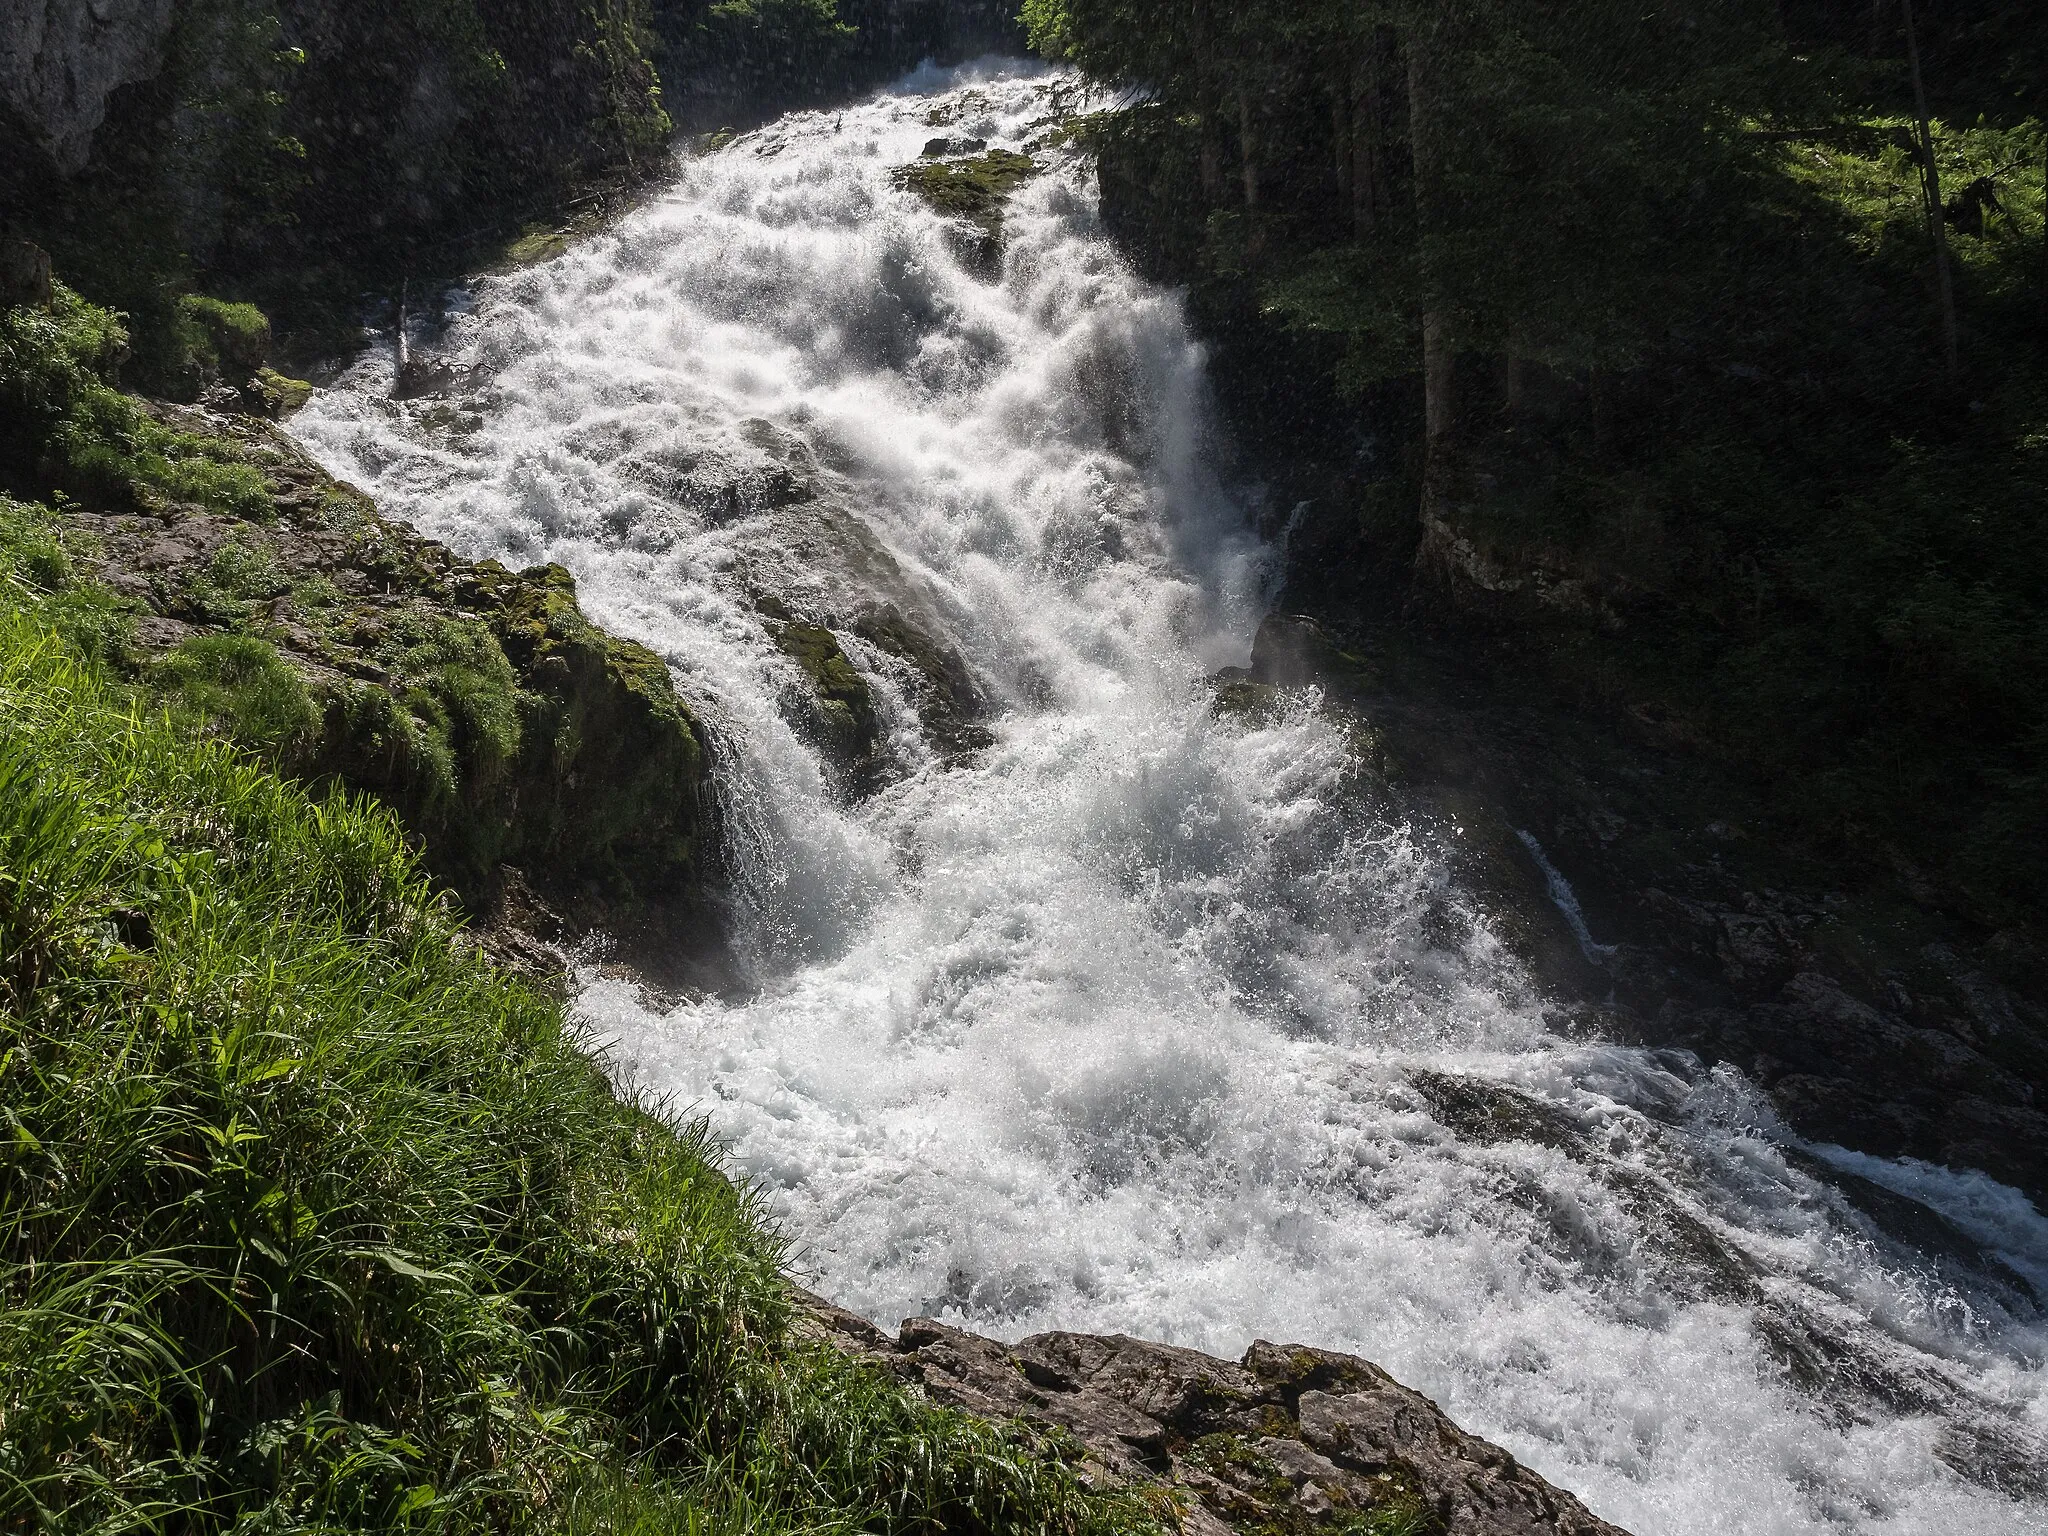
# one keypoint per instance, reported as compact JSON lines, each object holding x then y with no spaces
{"x":61,"y":60}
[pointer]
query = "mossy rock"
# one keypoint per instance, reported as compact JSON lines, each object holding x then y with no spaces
{"x":975,"y":191}
{"x":215,"y":559}
{"x":270,"y":393}
{"x":951,"y":705}
{"x":230,"y":341}
{"x":843,"y":705}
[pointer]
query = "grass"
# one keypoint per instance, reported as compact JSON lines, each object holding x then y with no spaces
{"x":61,"y":420}
{"x":311,"y":1220}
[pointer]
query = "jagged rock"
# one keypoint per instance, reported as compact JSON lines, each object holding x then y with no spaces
{"x":61,"y":59}
{"x":24,"y":273}
{"x":840,"y":703}
{"x":1288,"y":1439}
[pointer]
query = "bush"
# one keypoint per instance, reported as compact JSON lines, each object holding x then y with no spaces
{"x":62,"y":420}
{"x":228,"y":340}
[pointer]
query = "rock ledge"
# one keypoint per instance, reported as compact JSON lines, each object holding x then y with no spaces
{"x":1287,"y":1440}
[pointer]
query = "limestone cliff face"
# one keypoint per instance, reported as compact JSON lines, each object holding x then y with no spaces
{"x":61,"y":59}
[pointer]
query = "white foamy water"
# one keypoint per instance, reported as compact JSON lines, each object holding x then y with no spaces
{"x":1128,"y":1020}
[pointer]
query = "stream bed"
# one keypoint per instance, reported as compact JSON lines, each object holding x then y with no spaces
{"x":1062,"y":1000}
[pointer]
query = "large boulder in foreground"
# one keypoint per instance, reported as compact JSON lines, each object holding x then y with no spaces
{"x":1288,"y":1439}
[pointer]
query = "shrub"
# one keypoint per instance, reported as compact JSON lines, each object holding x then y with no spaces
{"x":230,"y":340}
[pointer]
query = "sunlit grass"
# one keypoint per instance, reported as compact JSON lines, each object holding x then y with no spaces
{"x":310,"y":1219}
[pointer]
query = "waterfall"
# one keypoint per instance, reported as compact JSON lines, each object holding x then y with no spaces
{"x":1113,"y":1012}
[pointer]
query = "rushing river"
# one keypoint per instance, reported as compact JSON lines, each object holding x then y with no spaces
{"x":1132,"y":1018}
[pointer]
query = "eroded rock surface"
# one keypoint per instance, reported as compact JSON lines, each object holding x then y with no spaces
{"x":1287,"y":1440}
{"x":61,"y":59}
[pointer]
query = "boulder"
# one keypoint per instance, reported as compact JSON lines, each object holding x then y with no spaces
{"x":1287,"y":1439}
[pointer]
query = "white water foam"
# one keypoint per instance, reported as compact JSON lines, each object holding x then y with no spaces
{"x":1128,"y":1022}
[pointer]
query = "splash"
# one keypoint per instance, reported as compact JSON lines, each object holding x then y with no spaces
{"x":1115,"y":1013}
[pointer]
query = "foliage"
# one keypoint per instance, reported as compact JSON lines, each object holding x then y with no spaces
{"x":55,"y":367}
{"x":241,"y":682}
{"x":231,"y":340}
{"x":310,"y":1219}
{"x":1697,"y":418}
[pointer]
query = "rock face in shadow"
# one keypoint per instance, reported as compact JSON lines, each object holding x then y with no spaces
{"x":1870,"y":1011}
{"x":1288,"y":1439}
{"x":61,"y":59}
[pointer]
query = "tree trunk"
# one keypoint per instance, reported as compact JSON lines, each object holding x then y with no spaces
{"x":1366,"y":132}
{"x":1439,"y":350}
{"x":1248,"y":151}
{"x":1209,"y":108}
{"x":1930,"y":186}
{"x":1212,"y":149}
{"x":1340,"y":146}
{"x":1438,"y":400}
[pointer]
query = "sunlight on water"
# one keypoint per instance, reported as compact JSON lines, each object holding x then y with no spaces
{"x":1138,"y":1020}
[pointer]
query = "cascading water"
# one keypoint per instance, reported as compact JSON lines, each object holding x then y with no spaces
{"x":1133,"y":1018}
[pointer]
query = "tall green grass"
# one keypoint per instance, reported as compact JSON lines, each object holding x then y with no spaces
{"x":311,"y":1220}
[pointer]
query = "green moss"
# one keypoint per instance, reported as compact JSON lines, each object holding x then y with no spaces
{"x":275,"y":395}
{"x":975,"y":190}
{"x":843,"y":697}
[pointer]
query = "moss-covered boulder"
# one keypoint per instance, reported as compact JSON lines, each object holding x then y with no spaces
{"x":839,"y":700}
{"x":210,"y":557}
{"x":974,"y":191}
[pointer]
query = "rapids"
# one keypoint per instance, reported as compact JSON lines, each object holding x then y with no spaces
{"x":1135,"y":1018}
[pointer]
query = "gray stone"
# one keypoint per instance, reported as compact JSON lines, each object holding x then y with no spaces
{"x":1287,"y":1439}
{"x":60,"y":61}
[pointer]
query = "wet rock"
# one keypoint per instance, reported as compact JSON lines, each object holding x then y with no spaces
{"x":1489,"y":1112}
{"x":974,"y":191}
{"x":1291,"y":650}
{"x":950,"y":704}
{"x":1288,"y":1439}
{"x":840,"y":706}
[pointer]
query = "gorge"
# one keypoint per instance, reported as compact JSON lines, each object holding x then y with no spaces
{"x":1147,"y":1015}
{"x":1280,"y":775}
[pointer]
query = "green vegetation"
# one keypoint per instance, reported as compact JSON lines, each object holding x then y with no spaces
{"x":974,"y":189}
{"x":1624,"y":329}
{"x":311,"y":1220}
{"x":480,"y":705}
{"x":65,"y":422}
{"x":242,"y":682}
